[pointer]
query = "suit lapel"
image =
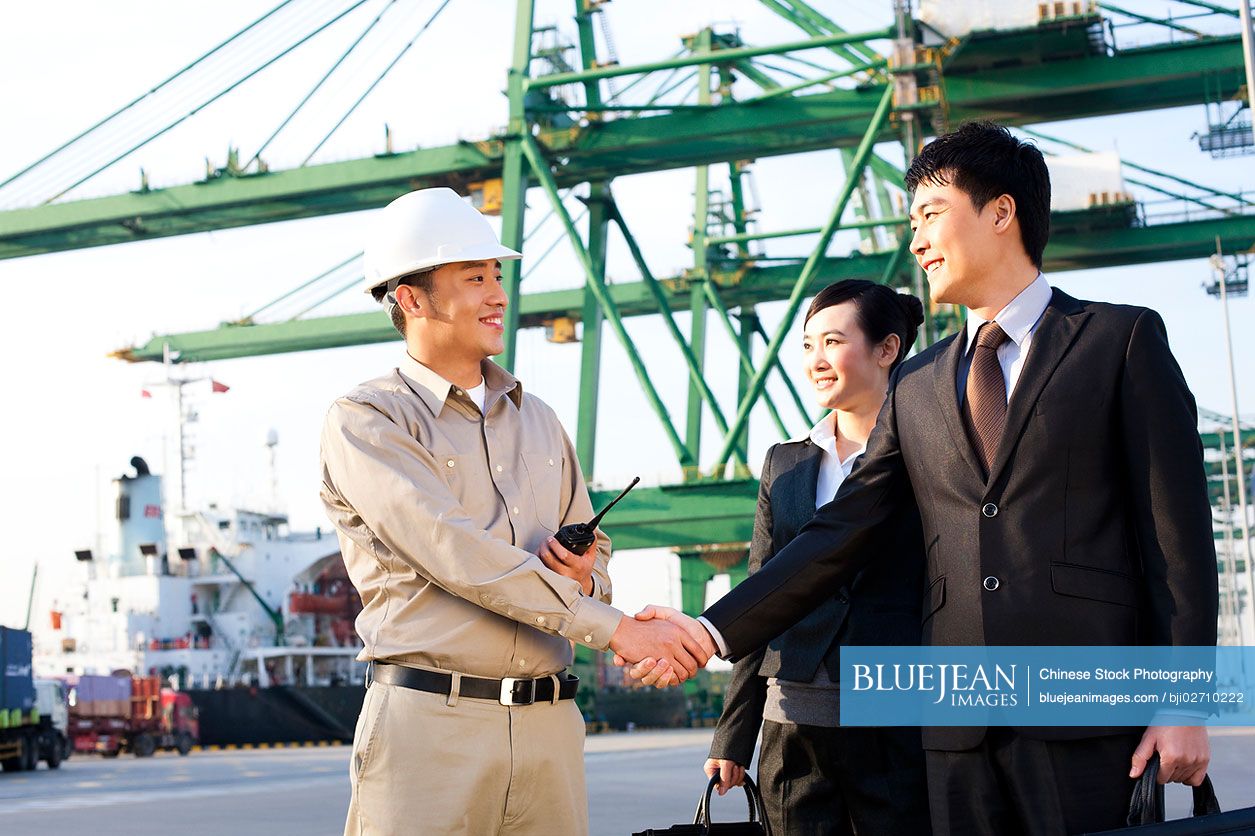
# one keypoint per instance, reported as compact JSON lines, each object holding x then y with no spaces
{"x":806,"y":471}
{"x":1060,"y":323}
{"x":945,"y":374}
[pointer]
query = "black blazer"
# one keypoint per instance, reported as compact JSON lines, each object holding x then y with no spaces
{"x":881,"y":606}
{"x":1094,"y":519}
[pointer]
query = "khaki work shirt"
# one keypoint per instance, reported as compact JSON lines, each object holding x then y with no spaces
{"x":440,"y":512}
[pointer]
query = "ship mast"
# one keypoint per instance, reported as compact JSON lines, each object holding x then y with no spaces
{"x":272,"y":443}
{"x":176,"y":495}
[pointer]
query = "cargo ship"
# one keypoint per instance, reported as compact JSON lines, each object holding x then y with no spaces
{"x":254,"y":621}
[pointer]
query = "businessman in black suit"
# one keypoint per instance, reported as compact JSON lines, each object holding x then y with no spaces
{"x":1052,"y":448}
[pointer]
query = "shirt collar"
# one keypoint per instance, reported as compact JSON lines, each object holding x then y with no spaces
{"x":434,"y":390}
{"x":824,"y":433}
{"x":1020,"y":315}
{"x":824,"y":436}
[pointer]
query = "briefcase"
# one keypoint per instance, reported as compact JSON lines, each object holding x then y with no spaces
{"x":1146,"y":811}
{"x":702,"y":825}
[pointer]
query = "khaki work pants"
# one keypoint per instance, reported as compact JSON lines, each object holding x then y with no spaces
{"x":422,"y":766}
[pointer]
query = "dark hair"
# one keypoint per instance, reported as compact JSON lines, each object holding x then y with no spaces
{"x":984,"y":161}
{"x":881,"y":311}
{"x":420,"y":280}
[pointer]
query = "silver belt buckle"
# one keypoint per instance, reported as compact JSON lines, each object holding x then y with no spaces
{"x":509,"y":695}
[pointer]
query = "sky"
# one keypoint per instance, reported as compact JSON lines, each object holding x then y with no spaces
{"x":76,"y":417}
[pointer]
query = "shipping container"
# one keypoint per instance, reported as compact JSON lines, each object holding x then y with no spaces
{"x":97,"y":696}
{"x":21,"y":731}
{"x":17,"y":686}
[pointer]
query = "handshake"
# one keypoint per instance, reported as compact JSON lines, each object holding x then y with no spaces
{"x":663,"y":645}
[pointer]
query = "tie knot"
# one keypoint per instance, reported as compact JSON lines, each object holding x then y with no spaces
{"x":990,"y":335}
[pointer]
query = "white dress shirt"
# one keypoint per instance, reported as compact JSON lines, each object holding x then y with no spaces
{"x":833,"y":470}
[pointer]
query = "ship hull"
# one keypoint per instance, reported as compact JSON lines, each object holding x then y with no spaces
{"x":328,"y":714}
{"x":279,"y":714}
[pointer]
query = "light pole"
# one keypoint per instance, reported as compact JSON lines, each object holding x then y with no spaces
{"x":1218,"y":264}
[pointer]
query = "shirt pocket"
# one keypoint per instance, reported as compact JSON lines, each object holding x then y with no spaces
{"x":544,"y":474}
{"x":451,"y":467}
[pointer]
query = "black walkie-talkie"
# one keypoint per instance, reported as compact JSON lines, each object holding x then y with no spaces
{"x":577,"y":537}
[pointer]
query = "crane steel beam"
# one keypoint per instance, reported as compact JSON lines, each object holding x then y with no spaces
{"x":692,"y":514}
{"x":1075,"y":249}
{"x":1143,"y":79}
{"x":1104,"y":85}
{"x":723,"y":56}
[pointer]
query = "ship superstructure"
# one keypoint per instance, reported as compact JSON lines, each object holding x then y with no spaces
{"x":206,"y":599}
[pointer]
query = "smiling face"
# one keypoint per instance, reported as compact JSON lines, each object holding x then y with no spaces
{"x":958,"y":247}
{"x":461,"y":319}
{"x":844,"y":368}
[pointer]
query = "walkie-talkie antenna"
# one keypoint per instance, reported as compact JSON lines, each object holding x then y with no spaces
{"x":577,"y":537}
{"x":597,"y":519}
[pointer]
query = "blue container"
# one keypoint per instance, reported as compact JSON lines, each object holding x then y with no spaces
{"x":17,"y":685}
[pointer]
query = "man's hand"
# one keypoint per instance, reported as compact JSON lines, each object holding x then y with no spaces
{"x":731,"y":774}
{"x":678,"y":650}
{"x":651,"y":671}
{"x":1184,"y":753}
{"x":578,"y":567}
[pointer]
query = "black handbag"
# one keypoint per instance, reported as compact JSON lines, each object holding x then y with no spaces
{"x":1146,"y":811}
{"x":703,"y":826}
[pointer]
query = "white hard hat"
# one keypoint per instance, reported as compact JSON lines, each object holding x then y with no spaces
{"x":426,"y":229}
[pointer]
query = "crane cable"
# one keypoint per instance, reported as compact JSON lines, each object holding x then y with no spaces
{"x":321,"y":81}
{"x":375,"y":83}
{"x":201,"y":107}
{"x":143,"y":96}
{"x":113,"y":132}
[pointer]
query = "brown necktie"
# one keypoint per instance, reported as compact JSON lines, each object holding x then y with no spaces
{"x":986,"y":402}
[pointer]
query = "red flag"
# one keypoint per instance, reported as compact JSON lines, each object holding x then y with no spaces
{"x":144,"y":393}
{"x":220,"y":387}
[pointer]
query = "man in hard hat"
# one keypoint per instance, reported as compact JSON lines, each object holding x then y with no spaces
{"x":446,"y":482}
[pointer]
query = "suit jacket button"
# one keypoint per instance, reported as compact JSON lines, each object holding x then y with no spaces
{"x":990,"y":510}
{"x":991,"y":583}
{"x":842,"y":599}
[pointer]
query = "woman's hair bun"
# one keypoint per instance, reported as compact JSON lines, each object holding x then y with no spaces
{"x":913,"y":308}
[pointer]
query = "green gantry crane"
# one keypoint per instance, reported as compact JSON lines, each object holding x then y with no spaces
{"x":569,"y":125}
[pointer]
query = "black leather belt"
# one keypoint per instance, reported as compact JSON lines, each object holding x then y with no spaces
{"x":508,"y":691}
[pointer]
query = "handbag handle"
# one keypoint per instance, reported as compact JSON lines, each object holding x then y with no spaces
{"x":757,"y":809}
{"x":1147,"y":803}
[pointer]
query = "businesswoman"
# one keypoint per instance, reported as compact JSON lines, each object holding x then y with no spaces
{"x":816,"y":777}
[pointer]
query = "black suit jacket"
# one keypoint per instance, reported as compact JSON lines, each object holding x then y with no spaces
{"x":881,"y":605}
{"x":1094,"y":518}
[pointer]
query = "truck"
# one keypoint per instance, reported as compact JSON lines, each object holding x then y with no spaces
{"x":54,"y":722}
{"x":123,"y":713}
{"x":28,"y":716}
